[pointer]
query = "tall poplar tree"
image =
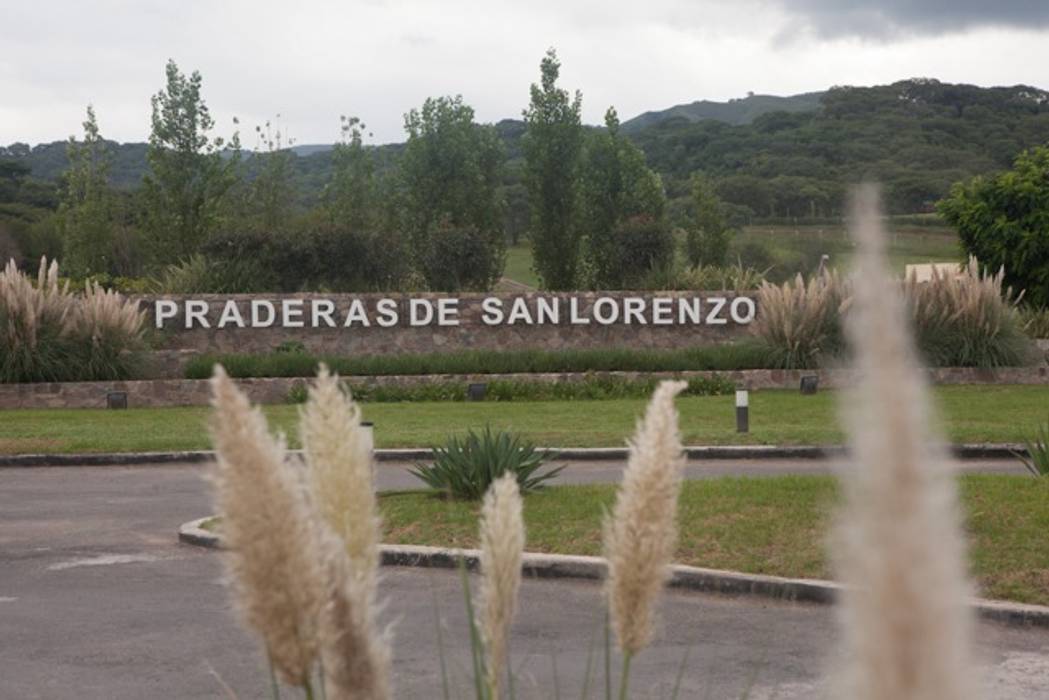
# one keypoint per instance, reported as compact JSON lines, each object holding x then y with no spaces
{"x":87,"y":210}
{"x":189,"y":176}
{"x":553,"y":144}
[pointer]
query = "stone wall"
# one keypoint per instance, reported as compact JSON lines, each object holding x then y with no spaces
{"x":470,"y":333}
{"x":195,"y":392}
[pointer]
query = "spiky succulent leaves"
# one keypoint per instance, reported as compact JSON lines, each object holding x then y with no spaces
{"x":502,"y":544}
{"x":640,"y":533}
{"x":466,"y":467}
{"x":899,"y":546}
{"x":266,"y":523}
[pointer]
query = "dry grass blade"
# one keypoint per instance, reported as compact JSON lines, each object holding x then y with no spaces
{"x":899,"y":546}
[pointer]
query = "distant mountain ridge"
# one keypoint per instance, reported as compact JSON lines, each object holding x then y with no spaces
{"x":738,"y":111}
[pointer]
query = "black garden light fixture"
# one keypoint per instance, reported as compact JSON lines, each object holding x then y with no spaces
{"x":810,"y":383}
{"x":476,"y":392}
{"x":116,"y":399}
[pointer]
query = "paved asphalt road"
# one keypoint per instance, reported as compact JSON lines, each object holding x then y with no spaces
{"x":98,"y":600}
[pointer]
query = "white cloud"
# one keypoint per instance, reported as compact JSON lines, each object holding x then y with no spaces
{"x":313,"y":60}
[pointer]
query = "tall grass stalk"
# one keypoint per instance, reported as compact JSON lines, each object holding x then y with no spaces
{"x":898,"y":547}
{"x":640,"y":533}
{"x":268,"y":527}
{"x":339,"y":463}
{"x":502,"y":536}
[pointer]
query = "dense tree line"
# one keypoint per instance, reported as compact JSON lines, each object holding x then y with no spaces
{"x":598,"y":205}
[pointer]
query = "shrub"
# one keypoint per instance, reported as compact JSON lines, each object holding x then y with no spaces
{"x":734,"y":356}
{"x":587,"y":389}
{"x":48,"y":334}
{"x":736,"y":278}
{"x":194,"y":275}
{"x":1001,"y":220}
{"x":630,"y":249}
{"x":465,"y":468}
{"x":967,"y":321}
{"x":799,"y":323}
{"x":1035,"y":322}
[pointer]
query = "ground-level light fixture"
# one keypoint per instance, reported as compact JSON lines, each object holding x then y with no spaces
{"x":742,"y":411}
{"x":476,"y":392}
{"x":810,"y":383}
{"x":116,"y":399}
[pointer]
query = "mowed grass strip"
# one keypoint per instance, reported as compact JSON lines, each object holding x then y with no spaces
{"x":762,"y":525}
{"x":970,"y":414}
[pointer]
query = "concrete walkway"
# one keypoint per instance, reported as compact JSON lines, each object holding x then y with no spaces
{"x":97,"y":600}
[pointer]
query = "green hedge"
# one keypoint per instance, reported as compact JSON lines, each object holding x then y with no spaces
{"x":587,"y":389}
{"x":737,"y":356}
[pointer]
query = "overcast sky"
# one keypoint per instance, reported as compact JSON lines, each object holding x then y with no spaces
{"x":311,"y":61}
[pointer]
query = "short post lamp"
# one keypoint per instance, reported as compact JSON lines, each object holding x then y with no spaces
{"x":116,"y":399}
{"x":368,"y":430}
{"x":742,"y":411}
{"x":476,"y":392}
{"x":810,"y":383}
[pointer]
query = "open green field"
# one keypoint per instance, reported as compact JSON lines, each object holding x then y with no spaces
{"x":794,"y":247}
{"x":519,"y":265}
{"x":970,"y":414}
{"x":776,"y":526}
{"x":789,"y":245}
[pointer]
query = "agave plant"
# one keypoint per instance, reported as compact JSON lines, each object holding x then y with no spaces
{"x":466,"y":467}
{"x":1036,"y":458}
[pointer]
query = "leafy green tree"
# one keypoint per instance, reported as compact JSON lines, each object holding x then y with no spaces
{"x":709,"y":237}
{"x":1003,"y":220}
{"x":190,"y":176}
{"x":617,"y":186}
{"x":553,"y":146}
{"x":450,"y":171}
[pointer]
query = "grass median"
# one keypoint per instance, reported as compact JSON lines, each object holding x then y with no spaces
{"x":970,"y":414}
{"x":776,"y":526}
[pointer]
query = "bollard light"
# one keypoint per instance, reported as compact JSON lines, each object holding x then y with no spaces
{"x":476,"y":392}
{"x":810,"y":383}
{"x":742,"y":411}
{"x":116,"y":399}
{"x":368,"y":428}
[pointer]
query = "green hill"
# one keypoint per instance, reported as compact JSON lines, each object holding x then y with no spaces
{"x":772,"y":157}
{"x":738,"y":111}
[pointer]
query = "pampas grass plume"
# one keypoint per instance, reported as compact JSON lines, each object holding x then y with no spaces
{"x":268,"y":529}
{"x":899,"y":546}
{"x":640,"y":534}
{"x":502,"y":543}
{"x":355,"y":657}
{"x":339,"y":459}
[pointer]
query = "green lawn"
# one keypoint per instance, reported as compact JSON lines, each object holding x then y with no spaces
{"x":519,"y":265}
{"x":971,"y":414}
{"x":787,"y":245}
{"x":775,"y":526}
{"x":907,"y":244}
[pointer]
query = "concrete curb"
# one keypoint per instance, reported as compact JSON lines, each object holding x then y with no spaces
{"x":692,"y":578}
{"x":964,"y":451}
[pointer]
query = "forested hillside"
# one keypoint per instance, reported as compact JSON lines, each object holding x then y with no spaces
{"x":914,"y":136}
